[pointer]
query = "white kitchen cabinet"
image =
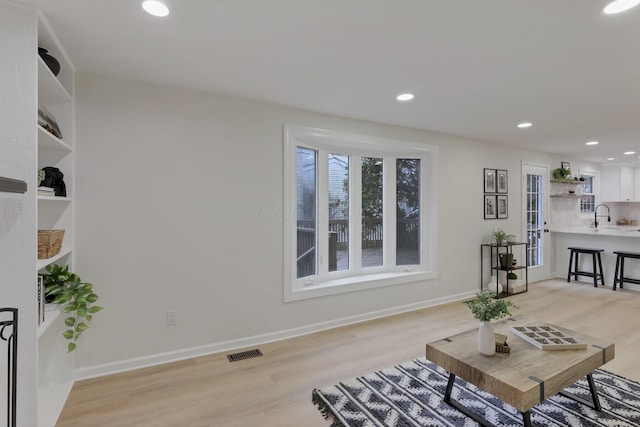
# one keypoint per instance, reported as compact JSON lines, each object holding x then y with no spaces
{"x":636,"y":184}
{"x":617,"y":184}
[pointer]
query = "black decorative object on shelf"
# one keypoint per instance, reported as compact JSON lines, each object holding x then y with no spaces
{"x":54,"y":178}
{"x":51,"y":62}
{"x":9,"y":333}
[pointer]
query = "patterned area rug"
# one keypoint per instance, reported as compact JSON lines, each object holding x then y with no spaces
{"x":410,"y":395}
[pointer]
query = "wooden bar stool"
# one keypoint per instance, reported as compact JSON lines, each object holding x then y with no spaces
{"x":573,"y":260}
{"x":618,"y":277}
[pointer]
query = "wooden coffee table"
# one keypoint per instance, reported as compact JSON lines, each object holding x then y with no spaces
{"x":526,"y":376}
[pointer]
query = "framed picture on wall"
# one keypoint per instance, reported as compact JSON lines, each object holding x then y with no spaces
{"x":502,"y":181}
{"x":489,"y":180}
{"x":490,"y":207}
{"x":502,"y":206}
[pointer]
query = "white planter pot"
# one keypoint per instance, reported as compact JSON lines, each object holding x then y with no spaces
{"x":502,"y":277}
{"x":491,"y":286}
{"x":486,"y":339}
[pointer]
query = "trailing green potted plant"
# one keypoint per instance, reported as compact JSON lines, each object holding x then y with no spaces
{"x":75,"y":296}
{"x":485,"y":308}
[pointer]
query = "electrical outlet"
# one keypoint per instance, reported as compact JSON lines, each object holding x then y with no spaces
{"x":172,"y":318}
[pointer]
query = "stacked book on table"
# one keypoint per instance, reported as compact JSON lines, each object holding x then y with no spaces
{"x":46,"y":191}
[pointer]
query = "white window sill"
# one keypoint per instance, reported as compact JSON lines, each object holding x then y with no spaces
{"x":314,"y":289}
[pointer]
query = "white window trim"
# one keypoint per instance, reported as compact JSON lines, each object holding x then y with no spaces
{"x":367,"y":146}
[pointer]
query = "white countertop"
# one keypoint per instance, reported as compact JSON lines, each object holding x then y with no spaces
{"x":602,"y":230}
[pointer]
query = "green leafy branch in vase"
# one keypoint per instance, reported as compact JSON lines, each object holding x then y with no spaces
{"x":485,"y":308}
{"x":75,"y":296}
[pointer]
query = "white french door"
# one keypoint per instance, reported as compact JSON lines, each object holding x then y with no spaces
{"x":535,"y":206}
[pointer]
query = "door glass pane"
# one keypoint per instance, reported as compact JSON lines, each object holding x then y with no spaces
{"x":372,"y":212}
{"x":306,"y":166}
{"x":407,"y":211}
{"x":535,"y":219}
{"x":338,"y":212}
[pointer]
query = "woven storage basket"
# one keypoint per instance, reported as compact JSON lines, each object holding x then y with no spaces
{"x":49,"y":243}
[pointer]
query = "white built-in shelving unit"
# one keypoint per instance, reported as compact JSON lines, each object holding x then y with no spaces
{"x":55,"y":93}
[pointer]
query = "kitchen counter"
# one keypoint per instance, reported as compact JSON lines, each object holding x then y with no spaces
{"x":609,"y":237}
{"x":602,"y":230}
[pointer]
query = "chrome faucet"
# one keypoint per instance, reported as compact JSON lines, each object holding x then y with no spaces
{"x":595,"y":213}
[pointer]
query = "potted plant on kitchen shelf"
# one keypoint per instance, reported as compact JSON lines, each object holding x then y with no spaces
{"x":562,"y":174}
{"x":74,"y":296}
{"x":485,"y":308}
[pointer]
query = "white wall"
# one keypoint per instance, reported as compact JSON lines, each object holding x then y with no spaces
{"x":18,"y":211}
{"x":179,"y":206}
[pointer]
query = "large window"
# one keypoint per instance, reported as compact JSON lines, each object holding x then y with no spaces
{"x":361,"y":212}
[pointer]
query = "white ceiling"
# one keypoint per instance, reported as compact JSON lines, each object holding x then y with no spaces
{"x":477,"y":67}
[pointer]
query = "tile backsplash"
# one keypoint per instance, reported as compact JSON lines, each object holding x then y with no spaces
{"x":567,"y":212}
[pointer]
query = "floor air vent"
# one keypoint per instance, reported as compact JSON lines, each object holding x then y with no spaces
{"x":244,"y":355}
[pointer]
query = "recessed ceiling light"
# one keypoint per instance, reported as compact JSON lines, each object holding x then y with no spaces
{"x":409,"y":96}
{"x":626,"y":153}
{"x":527,"y":124}
{"x":611,"y":158}
{"x":156,"y":8}
{"x":618,"y":6}
{"x":591,"y":143}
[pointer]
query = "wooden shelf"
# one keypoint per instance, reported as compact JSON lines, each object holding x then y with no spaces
{"x":566,"y":181}
{"x":565,"y":196}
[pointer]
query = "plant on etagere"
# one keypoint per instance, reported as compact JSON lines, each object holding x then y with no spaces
{"x":75,"y":296}
{"x":501,"y":237}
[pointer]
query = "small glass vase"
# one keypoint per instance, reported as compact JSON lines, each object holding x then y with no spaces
{"x":486,"y":339}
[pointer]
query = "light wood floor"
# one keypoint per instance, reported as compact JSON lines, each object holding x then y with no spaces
{"x":275,"y":390}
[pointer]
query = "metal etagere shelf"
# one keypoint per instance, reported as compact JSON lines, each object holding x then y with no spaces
{"x":495,"y":267}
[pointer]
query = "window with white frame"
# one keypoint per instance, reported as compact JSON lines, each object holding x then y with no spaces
{"x":360,"y":210}
{"x":588,"y":198}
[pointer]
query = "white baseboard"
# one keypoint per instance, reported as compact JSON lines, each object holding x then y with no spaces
{"x":224,"y":346}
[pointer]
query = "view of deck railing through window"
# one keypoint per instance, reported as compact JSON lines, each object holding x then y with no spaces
{"x":407,"y":244}
{"x":360,"y":220}
{"x":371,"y":236}
{"x":306,"y":196}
